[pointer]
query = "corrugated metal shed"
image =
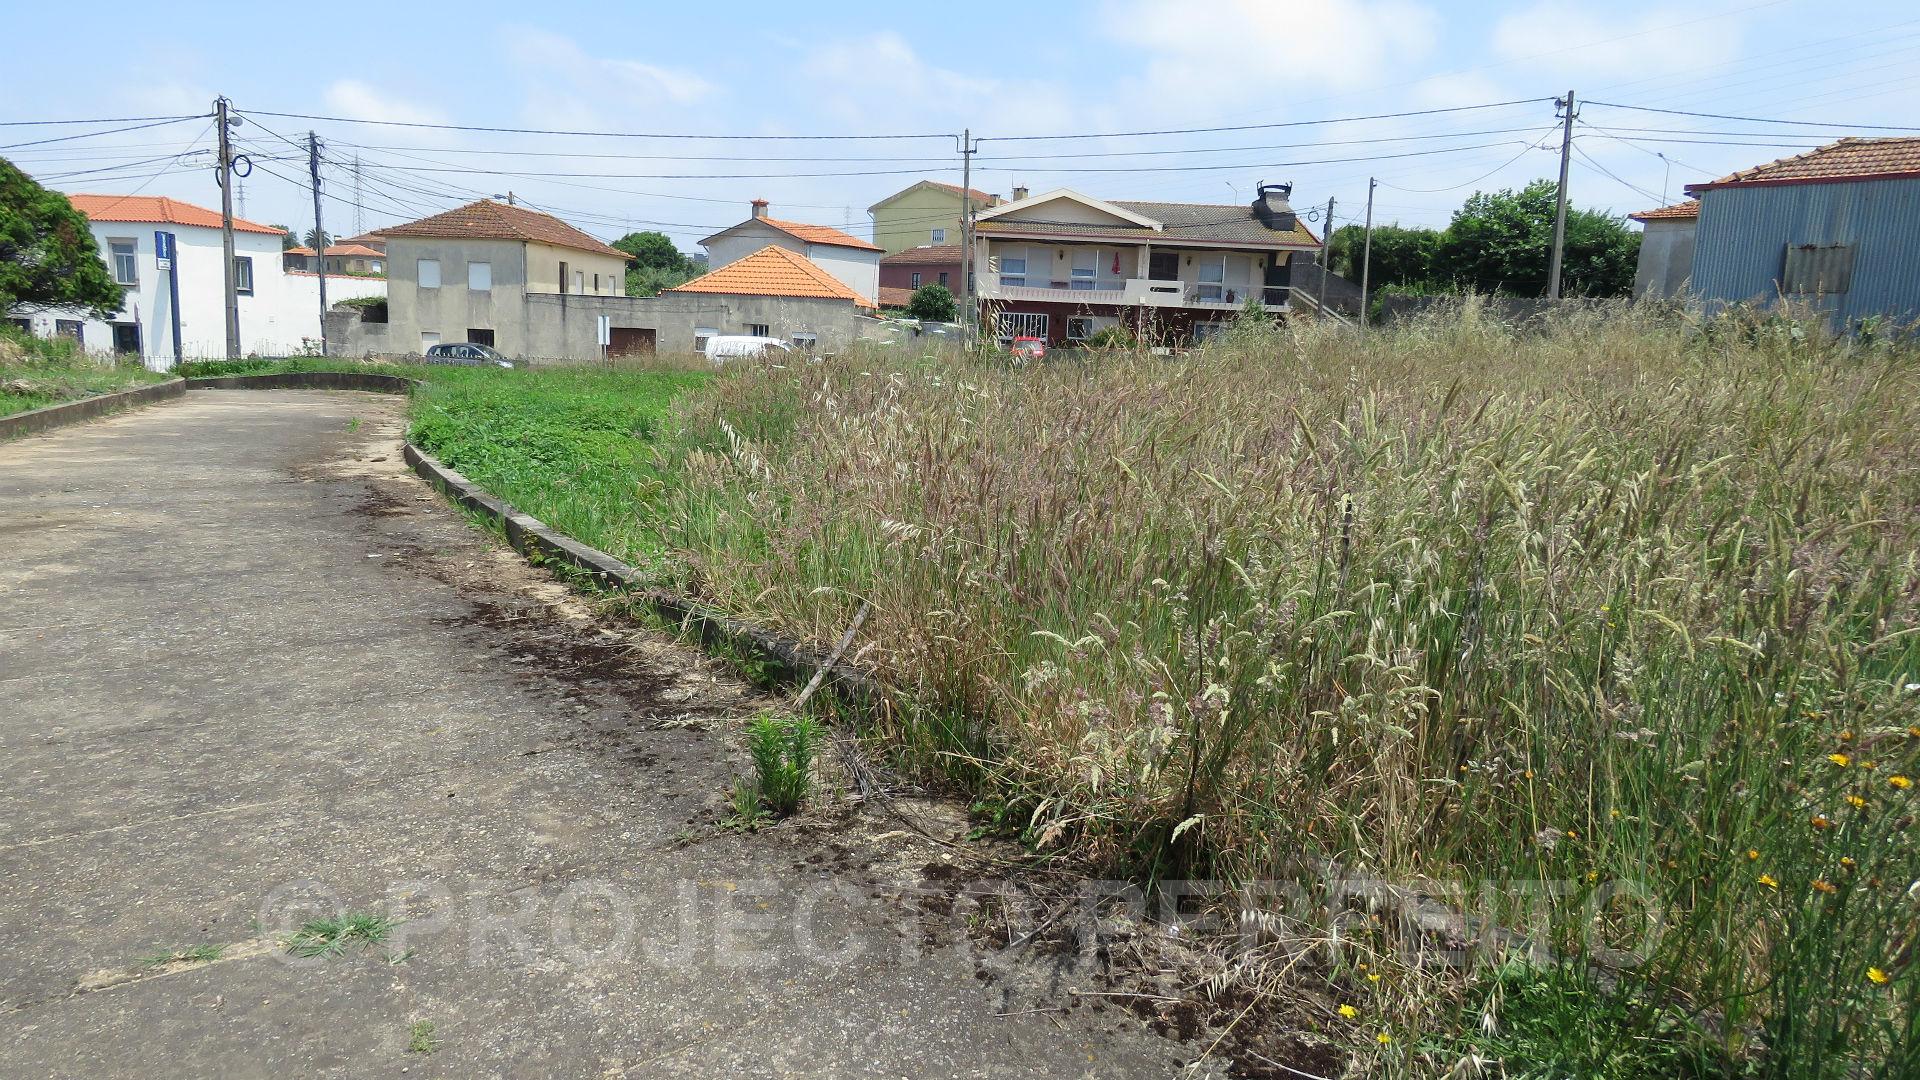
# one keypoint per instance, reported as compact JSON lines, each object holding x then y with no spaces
{"x":1740,"y":251}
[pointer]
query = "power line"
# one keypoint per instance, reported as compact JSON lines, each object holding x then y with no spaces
{"x":594,"y":134}
{"x":100,"y":120}
{"x":1609,"y":172}
{"x":109,"y":131}
{"x":1753,"y":119}
{"x":1537,"y":144}
{"x":1266,"y":127}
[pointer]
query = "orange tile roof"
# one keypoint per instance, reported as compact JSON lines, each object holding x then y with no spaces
{"x":820,"y":234}
{"x":1848,"y":159}
{"x":489,"y":220}
{"x":303,"y":251}
{"x":932,"y":255}
{"x":159,"y":209}
{"x":353,"y":249}
{"x":1688,"y":209}
{"x":773,"y":271}
{"x":892,"y":297}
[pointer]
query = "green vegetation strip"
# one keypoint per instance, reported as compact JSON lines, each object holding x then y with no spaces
{"x":38,"y":372}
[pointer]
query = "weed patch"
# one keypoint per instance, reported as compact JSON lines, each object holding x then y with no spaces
{"x":331,"y":937}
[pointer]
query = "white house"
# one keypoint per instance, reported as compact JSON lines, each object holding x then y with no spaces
{"x":854,"y":262}
{"x":279,"y":312}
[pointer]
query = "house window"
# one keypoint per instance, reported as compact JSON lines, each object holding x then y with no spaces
{"x":757,"y":329}
{"x":126,"y":264}
{"x":1013,"y":270}
{"x":376,"y":267}
{"x":1013,"y":324}
{"x":1817,"y":270}
{"x":1206,"y":331}
{"x":579,"y":281}
{"x":25,"y":326}
{"x":126,"y":338}
{"x":805,"y":342}
{"x":428,"y":339}
{"x":1079,"y":328}
{"x":429,"y":276}
{"x":1086,"y":267}
{"x":71,"y":328}
{"x":701,"y":334}
{"x":563,"y":277}
{"x":943,"y":277}
{"x":939,"y":236}
{"x":243,"y":274}
{"x":1213,"y":279}
{"x":596,"y":283}
{"x":478,"y":336}
{"x":916,"y":280}
{"x":480,"y":276}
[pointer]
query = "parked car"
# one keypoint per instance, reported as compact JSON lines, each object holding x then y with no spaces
{"x":733,"y":347}
{"x":1028,"y":348}
{"x":466,"y":354}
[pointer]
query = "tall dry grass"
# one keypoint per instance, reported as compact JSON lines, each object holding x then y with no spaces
{"x":1625,"y":600}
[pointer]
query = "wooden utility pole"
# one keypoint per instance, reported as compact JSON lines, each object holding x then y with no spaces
{"x":1560,"y":203}
{"x":1366,"y":256}
{"x":969,"y":311}
{"x":225,"y":173}
{"x":319,"y":235}
{"x":1326,"y":254}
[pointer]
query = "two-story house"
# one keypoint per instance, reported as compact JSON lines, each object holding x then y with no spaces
{"x":904,"y":271}
{"x":852,"y":261}
{"x":927,"y":214}
{"x":341,"y":258}
{"x":481,"y":272}
{"x":1062,"y":265}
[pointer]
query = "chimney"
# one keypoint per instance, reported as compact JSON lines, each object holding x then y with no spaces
{"x":1019,"y":194}
{"x":1270,"y":205}
{"x":759,"y":208}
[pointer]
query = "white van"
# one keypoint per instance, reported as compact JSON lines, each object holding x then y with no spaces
{"x":730,"y":347}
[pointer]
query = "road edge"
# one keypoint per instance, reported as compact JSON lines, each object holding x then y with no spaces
{"x":65,"y":413}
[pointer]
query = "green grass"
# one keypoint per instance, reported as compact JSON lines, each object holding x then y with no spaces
{"x":37,"y":372}
{"x":331,"y":937}
{"x":198,"y":954}
{"x":420,"y":1039}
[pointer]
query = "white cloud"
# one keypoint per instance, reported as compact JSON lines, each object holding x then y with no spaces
{"x":1579,"y":40}
{"x":1226,"y":54}
{"x":564,"y":84}
{"x":879,"y":79}
{"x":361,"y":101}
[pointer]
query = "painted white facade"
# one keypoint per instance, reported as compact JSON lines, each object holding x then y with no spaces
{"x":856,"y":268}
{"x":280,"y":316}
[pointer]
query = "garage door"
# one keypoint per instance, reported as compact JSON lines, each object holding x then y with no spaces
{"x":629,"y":340}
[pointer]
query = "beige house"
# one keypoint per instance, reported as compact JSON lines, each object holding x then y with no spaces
{"x":472,"y":273}
{"x":924,"y":215}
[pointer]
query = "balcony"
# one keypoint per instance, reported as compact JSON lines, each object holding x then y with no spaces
{"x":1136,"y":292}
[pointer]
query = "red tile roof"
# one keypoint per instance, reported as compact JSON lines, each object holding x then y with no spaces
{"x":820,"y":234}
{"x":1848,"y":159}
{"x":160,"y":210}
{"x":337,"y":249}
{"x":773,"y":271}
{"x":892,"y":297}
{"x":934,"y":255}
{"x":489,"y":220}
{"x":1688,"y":209}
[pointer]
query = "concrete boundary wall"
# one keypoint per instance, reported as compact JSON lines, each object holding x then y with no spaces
{"x":48,"y":417}
{"x":308,"y":380}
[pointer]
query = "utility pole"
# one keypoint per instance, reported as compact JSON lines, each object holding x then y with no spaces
{"x":1366,"y":256}
{"x":359,"y":199}
{"x":969,"y":310}
{"x":319,"y":234}
{"x":225,"y":173}
{"x":1326,"y":255}
{"x":1560,"y":203}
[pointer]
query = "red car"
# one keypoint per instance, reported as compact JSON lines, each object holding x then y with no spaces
{"x":1032,"y":348}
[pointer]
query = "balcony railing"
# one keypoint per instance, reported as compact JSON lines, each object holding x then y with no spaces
{"x":1145,"y":292}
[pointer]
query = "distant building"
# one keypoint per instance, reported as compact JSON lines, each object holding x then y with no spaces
{"x":279,"y":313}
{"x":1062,"y":266}
{"x":927,"y":214}
{"x":1666,"y":249}
{"x":903,"y":272}
{"x":1835,"y":229}
{"x":775,"y":292}
{"x":341,"y":258}
{"x":851,"y":260}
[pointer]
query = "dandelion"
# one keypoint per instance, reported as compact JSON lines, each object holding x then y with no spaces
{"x":1769,"y":881}
{"x":1877,"y":976}
{"x":1869,"y":764}
{"x":1846,"y":736}
{"x":1349,"y":1012}
{"x":1822,"y":821}
{"x":1825,"y":886}
{"x":1913,"y":731}
{"x":1752,"y":855}
{"x":1847,"y":863}
{"x":1841,"y":760}
{"x":1900,"y":782}
{"x":1615,"y":814}
{"x":1373,"y":976}
{"x":1856,"y":801}
{"x":1384,"y":1039}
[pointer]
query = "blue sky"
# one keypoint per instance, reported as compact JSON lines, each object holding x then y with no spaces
{"x":752,"y":68}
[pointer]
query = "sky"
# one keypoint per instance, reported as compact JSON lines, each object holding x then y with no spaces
{"x":1291,"y":79}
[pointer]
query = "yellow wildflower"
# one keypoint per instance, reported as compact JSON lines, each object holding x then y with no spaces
{"x":1877,"y":976}
{"x":1869,"y":764}
{"x":1349,"y":1011}
{"x":1383,"y":1038}
{"x":1847,"y":863}
{"x":1900,"y":782}
{"x":1769,"y":881}
{"x":1841,"y":760}
{"x":1824,"y":886}
{"x":1613,"y":813}
{"x":1846,"y":736}
{"x":1373,"y":976}
{"x":1856,"y":801}
{"x":1822,"y":821}
{"x":1752,"y":855}
{"x":1913,"y":731}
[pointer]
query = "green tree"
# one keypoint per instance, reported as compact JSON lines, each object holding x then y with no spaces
{"x":317,"y":240}
{"x":287,"y":238}
{"x":1401,"y":255}
{"x":934,"y":303}
{"x":1503,"y":241}
{"x":48,"y":256}
{"x":656,"y":263}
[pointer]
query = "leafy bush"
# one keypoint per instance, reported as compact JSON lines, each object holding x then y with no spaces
{"x":933,"y":302}
{"x":1113,"y":337}
{"x":783,"y":751}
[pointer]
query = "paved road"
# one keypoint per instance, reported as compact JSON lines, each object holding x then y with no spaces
{"x":251,"y":673}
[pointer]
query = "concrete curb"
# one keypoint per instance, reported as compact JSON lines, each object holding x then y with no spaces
{"x":48,"y":417}
{"x":308,"y":380}
{"x":788,"y":661}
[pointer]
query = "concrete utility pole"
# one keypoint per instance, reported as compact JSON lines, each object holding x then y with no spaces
{"x":1560,"y":203}
{"x":969,"y":313}
{"x":359,"y":199}
{"x":319,"y":234}
{"x":225,"y":173}
{"x":1366,"y":257}
{"x":1326,"y":255}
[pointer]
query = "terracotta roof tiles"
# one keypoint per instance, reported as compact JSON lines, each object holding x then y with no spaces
{"x":1688,"y":209}
{"x":773,"y":271}
{"x":821,"y":234}
{"x":489,"y":220}
{"x":159,"y":209}
{"x":934,"y":255}
{"x":1848,"y":159}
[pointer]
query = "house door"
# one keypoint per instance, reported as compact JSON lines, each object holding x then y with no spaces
{"x":1163,"y":266}
{"x":126,"y":339}
{"x":629,"y":340}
